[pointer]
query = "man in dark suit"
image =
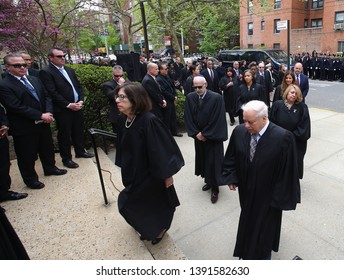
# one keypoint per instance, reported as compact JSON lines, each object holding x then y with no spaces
{"x":302,"y":80}
{"x":237,"y":70}
{"x":211,"y":77}
{"x":153,"y":89}
{"x":28,"y":60}
{"x":266,"y":82}
{"x":109,"y":89}
{"x":65,"y":90}
{"x":5,"y":179}
{"x":261,"y":162}
{"x":169,"y":92}
{"x":29,"y":110}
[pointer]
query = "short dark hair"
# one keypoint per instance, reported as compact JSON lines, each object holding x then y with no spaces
{"x":252,"y":75}
{"x":138,"y":97}
{"x":50,"y":52}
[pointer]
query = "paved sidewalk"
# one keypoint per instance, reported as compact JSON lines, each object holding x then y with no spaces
{"x":67,"y":219}
{"x":314,"y":231}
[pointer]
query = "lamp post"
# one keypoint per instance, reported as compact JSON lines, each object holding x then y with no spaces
{"x":144,"y":24}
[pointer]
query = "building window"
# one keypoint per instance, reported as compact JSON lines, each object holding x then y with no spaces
{"x":305,"y":23}
{"x":306,"y":4}
{"x":339,"y":17}
{"x":262,"y":25}
{"x":277,"y":4}
{"x":340,"y":46}
{"x":250,"y":6}
{"x":275,"y":26}
{"x":317,"y":22}
{"x":250,"y":28}
{"x":250,"y":46}
{"x":277,"y":46}
{"x":316,"y":4}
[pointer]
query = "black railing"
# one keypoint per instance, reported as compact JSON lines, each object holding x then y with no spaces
{"x":94,"y":132}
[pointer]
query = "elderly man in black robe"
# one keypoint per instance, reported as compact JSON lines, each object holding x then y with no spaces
{"x":261,"y":161}
{"x":205,"y":120}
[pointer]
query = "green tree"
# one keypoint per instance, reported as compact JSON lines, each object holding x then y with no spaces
{"x":218,"y":28}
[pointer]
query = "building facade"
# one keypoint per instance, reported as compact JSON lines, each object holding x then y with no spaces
{"x":314,"y":25}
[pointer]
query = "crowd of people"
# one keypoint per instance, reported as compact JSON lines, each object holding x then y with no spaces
{"x":321,"y":66}
{"x":264,"y":158}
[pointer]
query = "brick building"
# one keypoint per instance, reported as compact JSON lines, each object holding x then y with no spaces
{"x":315,"y":25}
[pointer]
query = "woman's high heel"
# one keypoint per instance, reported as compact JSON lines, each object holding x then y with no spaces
{"x":158,"y":239}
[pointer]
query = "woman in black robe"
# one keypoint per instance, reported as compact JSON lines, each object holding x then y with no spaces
{"x":229,"y":85}
{"x":292,"y":114}
{"x":148,"y":156}
{"x":248,"y":90}
{"x":193,"y":72}
{"x":287,"y":80}
{"x":11,"y":247}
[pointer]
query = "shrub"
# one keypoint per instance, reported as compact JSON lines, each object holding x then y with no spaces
{"x":96,"y":103}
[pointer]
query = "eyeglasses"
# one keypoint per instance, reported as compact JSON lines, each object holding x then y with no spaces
{"x":118,"y":76}
{"x":199,"y":87}
{"x":120,"y":97}
{"x":18,"y":65}
{"x":60,"y":56}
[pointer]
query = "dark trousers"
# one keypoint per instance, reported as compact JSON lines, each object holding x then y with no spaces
{"x":169,"y":119}
{"x":70,"y":126}
{"x":28,"y":146}
{"x":5,"y":179}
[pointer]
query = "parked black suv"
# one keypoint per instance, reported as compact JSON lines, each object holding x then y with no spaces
{"x":277,"y":57}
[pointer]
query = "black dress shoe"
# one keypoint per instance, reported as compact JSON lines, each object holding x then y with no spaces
{"x":214,"y":197}
{"x":56,"y":171}
{"x":158,"y":239}
{"x":36,"y":185}
{"x":84,"y":155}
{"x":206,"y":187}
{"x":178,"y":135}
{"x":70,"y":164}
{"x":9,"y":195}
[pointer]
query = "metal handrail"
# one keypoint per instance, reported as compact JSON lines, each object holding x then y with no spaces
{"x":94,"y":132}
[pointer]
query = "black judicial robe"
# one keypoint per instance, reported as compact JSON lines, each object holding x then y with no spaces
{"x":297,"y":121}
{"x":266,"y":186}
{"x":210,"y":119}
{"x":11,"y":247}
{"x":230,"y":94}
{"x":148,"y":155}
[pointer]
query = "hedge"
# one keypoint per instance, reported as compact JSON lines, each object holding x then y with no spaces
{"x":96,"y":103}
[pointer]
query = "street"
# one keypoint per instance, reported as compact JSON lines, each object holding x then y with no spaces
{"x":326,"y":95}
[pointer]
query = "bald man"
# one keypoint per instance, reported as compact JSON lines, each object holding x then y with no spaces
{"x":151,"y":85}
{"x":205,"y":121}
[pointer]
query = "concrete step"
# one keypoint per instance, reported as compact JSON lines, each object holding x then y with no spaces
{"x":68,"y":220}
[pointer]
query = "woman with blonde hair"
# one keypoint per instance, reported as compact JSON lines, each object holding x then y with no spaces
{"x":292,"y":114}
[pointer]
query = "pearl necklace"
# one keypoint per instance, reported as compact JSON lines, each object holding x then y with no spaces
{"x":130,"y":124}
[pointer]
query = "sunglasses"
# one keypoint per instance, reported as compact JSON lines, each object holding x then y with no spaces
{"x":60,"y":56}
{"x":18,"y":65}
{"x":120,"y":97}
{"x":118,"y":76}
{"x":199,"y":87}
